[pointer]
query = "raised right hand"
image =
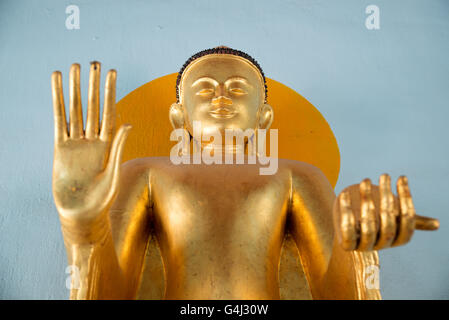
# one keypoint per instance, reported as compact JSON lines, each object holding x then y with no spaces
{"x":86,"y":162}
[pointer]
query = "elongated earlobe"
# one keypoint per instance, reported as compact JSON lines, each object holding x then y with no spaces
{"x":265,"y":117}
{"x":176,"y":116}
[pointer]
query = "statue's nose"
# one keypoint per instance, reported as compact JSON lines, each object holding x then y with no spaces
{"x":222,"y":100}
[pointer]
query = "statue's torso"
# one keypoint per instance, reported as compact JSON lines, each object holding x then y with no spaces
{"x":219,"y":228}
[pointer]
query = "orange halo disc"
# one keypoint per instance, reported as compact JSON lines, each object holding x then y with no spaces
{"x":303,"y":133}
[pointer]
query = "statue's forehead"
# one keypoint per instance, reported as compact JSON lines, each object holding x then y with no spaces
{"x":220,"y":67}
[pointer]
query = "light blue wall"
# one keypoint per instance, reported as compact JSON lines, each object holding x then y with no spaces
{"x":385,"y":94}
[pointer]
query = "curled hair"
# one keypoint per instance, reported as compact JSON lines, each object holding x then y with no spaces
{"x":219,"y":50}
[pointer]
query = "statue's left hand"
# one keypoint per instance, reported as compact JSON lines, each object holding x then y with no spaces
{"x":369,"y":217}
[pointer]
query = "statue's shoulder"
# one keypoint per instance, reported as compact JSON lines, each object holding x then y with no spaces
{"x":303,"y":172}
{"x":141,"y":165}
{"x":299,"y":167}
{"x":137,"y":171}
{"x":135,"y":176}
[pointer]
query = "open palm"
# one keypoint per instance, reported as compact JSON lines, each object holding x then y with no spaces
{"x":86,"y":162}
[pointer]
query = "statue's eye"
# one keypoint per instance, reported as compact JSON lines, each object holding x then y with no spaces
{"x":205,"y":92}
{"x":237,"y":91}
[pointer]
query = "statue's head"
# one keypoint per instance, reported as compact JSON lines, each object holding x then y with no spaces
{"x":222,"y":88}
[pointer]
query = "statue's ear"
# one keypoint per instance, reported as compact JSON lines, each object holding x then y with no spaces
{"x":265,"y":117}
{"x":176,"y":116}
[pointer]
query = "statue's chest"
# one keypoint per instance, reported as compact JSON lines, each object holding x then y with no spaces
{"x":212,"y":200}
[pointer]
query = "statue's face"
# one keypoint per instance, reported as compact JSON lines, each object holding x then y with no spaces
{"x":223,"y":92}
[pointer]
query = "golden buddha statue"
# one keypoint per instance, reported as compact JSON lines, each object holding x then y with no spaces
{"x":219,"y":228}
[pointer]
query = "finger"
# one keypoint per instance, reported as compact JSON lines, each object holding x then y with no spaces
{"x":108,"y":121}
{"x":115,"y":157}
{"x":406,"y":220}
{"x":58,"y":107}
{"x":426,"y":223}
{"x":368,"y":220}
{"x":347,"y":224}
{"x":76,"y":112}
{"x":93,"y":101}
{"x":388,"y":214}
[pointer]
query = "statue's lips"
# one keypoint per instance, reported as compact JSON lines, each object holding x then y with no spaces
{"x":223,"y":113}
